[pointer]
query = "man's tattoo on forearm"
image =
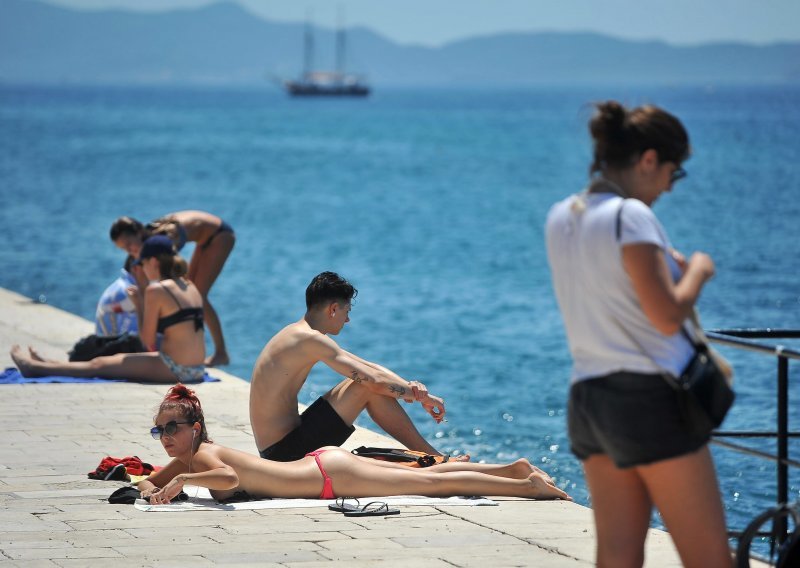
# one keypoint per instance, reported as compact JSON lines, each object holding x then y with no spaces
{"x":356,"y":378}
{"x":399,"y":391}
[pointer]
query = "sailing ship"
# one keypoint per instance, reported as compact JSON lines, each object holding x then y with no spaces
{"x":336,"y":83}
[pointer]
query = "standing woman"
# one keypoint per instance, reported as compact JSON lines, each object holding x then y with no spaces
{"x":170,"y":305}
{"x":215,"y":239}
{"x":624,"y":294}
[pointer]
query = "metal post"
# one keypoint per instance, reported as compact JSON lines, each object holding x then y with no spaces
{"x":783,"y":441}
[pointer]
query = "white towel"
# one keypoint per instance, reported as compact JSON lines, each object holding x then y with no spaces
{"x":200,"y":500}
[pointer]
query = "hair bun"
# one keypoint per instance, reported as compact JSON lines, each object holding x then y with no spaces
{"x":608,"y":123}
{"x":179,"y":392}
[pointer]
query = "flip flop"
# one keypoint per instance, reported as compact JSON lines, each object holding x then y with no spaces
{"x":342,"y":506}
{"x":373,"y":509}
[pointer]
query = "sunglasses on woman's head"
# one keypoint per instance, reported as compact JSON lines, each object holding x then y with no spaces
{"x":169,"y":429}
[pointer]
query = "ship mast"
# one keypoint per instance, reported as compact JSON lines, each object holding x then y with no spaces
{"x":308,"y":49}
{"x":340,"y":45}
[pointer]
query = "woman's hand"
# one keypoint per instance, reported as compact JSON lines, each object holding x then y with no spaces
{"x":679,"y":259}
{"x":167,"y":493}
{"x":148,"y":492}
{"x":702,"y":263}
{"x":135,"y":296}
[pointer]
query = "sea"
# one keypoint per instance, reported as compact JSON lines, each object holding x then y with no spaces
{"x":432,"y":202}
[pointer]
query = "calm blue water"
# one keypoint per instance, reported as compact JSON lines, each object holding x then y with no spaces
{"x":433,"y":204}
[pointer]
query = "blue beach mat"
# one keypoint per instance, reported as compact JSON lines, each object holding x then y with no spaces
{"x":11,"y":376}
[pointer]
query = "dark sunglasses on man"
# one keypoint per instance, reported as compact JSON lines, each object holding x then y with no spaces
{"x":677,"y":174}
{"x":169,"y":429}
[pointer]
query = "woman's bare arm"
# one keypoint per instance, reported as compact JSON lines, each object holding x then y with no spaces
{"x":210,"y":472}
{"x":666,"y":304}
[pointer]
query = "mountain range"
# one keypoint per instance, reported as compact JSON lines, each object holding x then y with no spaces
{"x":224,"y":44}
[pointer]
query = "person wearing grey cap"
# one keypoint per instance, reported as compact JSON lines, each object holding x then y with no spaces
{"x":170,"y":305}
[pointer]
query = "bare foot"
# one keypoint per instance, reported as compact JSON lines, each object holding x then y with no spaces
{"x":35,"y":355}
{"x":524,"y":468}
{"x":23,"y":362}
{"x":217,"y":359}
{"x":464,"y":458}
{"x":544,"y":489}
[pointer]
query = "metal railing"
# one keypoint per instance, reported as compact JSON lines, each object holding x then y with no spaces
{"x":742,"y":339}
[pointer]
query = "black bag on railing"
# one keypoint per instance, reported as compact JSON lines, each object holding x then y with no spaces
{"x":93,"y":346}
{"x":788,"y":553}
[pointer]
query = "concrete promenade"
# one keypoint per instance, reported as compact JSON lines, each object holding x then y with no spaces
{"x":53,"y":515}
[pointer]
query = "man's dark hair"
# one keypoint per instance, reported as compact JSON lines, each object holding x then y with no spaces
{"x":328,"y":287}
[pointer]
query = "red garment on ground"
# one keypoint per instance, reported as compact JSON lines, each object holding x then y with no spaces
{"x":133,"y":466}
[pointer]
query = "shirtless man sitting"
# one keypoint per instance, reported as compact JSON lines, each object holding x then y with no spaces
{"x":281,"y":433}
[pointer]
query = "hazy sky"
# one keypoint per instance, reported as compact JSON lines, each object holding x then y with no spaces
{"x":433,"y":22}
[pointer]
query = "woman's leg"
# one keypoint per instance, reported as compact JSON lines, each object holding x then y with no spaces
{"x":685,"y":491}
{"x":204,"y":268}
{"x":135,"y":366}
{"x":519,"y":469}
{"x":622,"y":510}
{"x":353,"y":476}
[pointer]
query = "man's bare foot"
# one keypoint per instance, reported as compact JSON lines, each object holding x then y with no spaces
{"x":542,"y":488}
{"x":217,"y":359}
{"x":23,"y":362}
{"x":464,"y":458}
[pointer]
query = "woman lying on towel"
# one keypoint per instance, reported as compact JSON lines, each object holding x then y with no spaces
{"x":170,"y":305}
{"x":324,"y":474}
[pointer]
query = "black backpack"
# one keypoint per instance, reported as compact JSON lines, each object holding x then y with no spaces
{"x":93,"y":346}
{"x":788,"y":553}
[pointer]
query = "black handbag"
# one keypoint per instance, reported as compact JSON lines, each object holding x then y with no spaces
{"x":704,"y":389}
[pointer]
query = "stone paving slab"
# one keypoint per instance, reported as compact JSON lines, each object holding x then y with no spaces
{"x":54,"y":516}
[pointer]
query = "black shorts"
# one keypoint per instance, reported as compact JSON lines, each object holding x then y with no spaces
{"x":633,"y":418}
{"x":319,"y":426}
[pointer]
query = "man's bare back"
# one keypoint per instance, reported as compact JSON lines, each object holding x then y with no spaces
{"x":278,"y":375}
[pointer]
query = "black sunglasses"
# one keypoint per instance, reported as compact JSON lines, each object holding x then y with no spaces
{"x":678,"y":173}
{"x":169,"y":429}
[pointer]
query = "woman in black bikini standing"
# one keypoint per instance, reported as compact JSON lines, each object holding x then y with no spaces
{"x":215,"y":240}
{"x":170,"y":304}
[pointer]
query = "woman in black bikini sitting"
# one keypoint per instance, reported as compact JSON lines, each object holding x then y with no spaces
{"x":215,"y":240}
{"x":324,"y":474}
{"x":170,"y":305}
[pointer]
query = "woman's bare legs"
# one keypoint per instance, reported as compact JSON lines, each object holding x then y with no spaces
{"x":138,"y":366}
{"x":204,"y":268}
{"x":519,"y":469}
{"x":621,"y":509}
{"x":685,"y":491}
{"x":357,"y":477}
{"x":36,"y":356}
